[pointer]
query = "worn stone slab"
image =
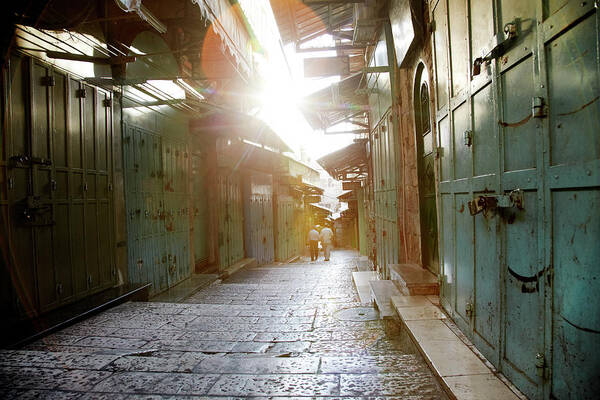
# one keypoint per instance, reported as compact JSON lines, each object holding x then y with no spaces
{"x":479,"y":387}
{"x":413,"y":279}
{"x":371,"y":364}
{"x":452,"y":357}
{"x":430,"y":329}
{"x":156,"y":382}
{"x":395,"y":384}
{"x":381,"y":293}
{"x":184,"y":362}
{"x":361,"y":282}
{"x":420,"y":313}
{"x":259,"y":365}
{"x":276,"y":385}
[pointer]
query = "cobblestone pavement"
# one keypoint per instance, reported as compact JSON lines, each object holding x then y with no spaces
{"x":265,"y":332}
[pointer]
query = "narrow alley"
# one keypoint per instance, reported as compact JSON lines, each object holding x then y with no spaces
{"x":166,"y":168}
{"x":282,"y":330}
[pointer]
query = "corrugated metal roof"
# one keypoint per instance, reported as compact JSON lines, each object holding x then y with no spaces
{"x":348,"y":163}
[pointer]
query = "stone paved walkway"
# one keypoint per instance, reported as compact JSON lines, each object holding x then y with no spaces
{"x":265,"y":332}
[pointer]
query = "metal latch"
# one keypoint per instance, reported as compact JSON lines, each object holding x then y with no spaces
{"x":510,"y":35}
{"x":491,"y":202}
{"x":22,"y":159}
{"x":469,"y":309}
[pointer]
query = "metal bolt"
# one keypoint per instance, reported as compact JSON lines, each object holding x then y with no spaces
{"x":555,"y":176}
{"x":542,"y":85}
{"x":588,"y":172}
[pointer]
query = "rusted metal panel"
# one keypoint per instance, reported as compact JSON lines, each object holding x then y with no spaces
{"x":258,"y":217}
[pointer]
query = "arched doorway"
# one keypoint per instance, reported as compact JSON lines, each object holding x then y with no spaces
{"x":425,"y":170}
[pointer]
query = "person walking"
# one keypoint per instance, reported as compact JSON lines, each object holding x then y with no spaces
{"x":313,"y":243}
{"x":327,"y":241}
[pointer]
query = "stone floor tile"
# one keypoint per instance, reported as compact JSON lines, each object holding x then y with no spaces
{"x":111,"y":342}
{"x":130,"y":382}
{"x":288,"y":347}
{"x":276,"y":385}
{"x":259,"y":365}
{"x":178,"y":363}
{"x":190,"y":345}
{"x":38,"y":394}
{"x":395,"y":384}
{"x":237,"y":336}
{"x":147,"y":334}
{"x":29,"y":377}
{"x":81,"y":380}
{"x":371,"y":364}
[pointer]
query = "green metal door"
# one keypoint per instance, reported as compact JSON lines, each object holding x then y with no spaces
{"x":425,"y":169}
{"x":158,"y":207}
{"x":231,"y":218}
{"x":59,"y":186}
{"x":258,"y":217}
{"x":521,"y":120}
{"x":200,"y":209}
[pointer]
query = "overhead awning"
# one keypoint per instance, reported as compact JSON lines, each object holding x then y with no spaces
{"x":320,"y":209}
{"x":235,"y":125}
{"x":343,"y":101}
{"x":347,"y":196}
{"x":302,"y":21}
{"x":226,"y":23}
{"x":348,"y":163}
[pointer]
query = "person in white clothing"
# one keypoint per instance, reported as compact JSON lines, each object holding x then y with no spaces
{"x":326,"y":241}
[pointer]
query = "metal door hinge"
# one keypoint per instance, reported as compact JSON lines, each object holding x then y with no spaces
{"x":110,"y":187}
{"x":468,"y":138}
{"x":85,"y":187}
{"x":538,"y":109}
{"x":48,"y":81}
{"x":11,"y":183}
{"x":80,"y":93}
{"x":107,"y":102}
{"x":53,"y":185}
{"x":89,"y":280}
{"x":439,"y":152}
{"x":540,"y":364}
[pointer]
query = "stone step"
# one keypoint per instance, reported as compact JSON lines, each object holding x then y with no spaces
{"x":413,"y":280}
{"x":361,"y":281}
{"x":381,"y":294}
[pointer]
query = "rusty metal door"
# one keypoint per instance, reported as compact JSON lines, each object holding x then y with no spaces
{"x":517,"y":110}
{"x":200,"y":209}
{"x":231,"y":218}
{"x":158,"y":210}
{"x":59,"y":186}
{"x":258,"y":217}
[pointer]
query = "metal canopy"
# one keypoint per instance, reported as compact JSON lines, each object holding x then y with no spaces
{"x":300,"y":22}
{"x":348,"y":163}
{"x":233,"y":124}
{"x":344,"y":101}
